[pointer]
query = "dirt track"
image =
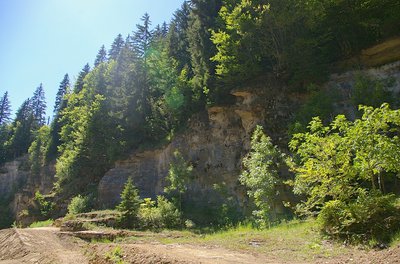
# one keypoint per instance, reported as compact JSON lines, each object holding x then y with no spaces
{"x":48,"y":245}
{"x":38,"y":245}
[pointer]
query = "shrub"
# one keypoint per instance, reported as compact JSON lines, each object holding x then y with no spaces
{"x":370,"y":217}
{"x":149,"y":215}
{"x":164,"y":214}
{"x":79,"y":204}
{"x":115,"y":255}
{"x":170,"y":215}
{"x":45,"y":207}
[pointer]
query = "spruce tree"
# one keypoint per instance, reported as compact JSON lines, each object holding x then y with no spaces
{"x":101,"y":56}
{"x":142,"y":37}
{"x":116,"y":47}
{"x":21,"y":131}
{"x":129,"y":206}
{"x":81,"y":77}
{"x":203,"y":19}
{"x":5,"y":109}
{"x":56,"y":125}
{"x":38,"y":103}
{"x":178,"y":42}
{"x":62,"y":91}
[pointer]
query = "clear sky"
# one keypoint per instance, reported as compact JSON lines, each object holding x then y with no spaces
{"x":41,"y":40}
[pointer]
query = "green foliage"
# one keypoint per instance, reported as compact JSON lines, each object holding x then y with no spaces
{"x":129,"y":206}
{"x":370,"y":217}
{"x":372,"y":92}
{"x":319,"y":103}
{"x":38,"y":149}
{"x":45,"y":223}
{"x":179,"y":177}
{"x":258,"y":36}
{"x":261,"y":176}
{"x":345,"y":162}
{"x":115,"y":255}
{"x":156,"y":216}
{"x":203,"y":19}
{"x":5,"y":109}
{"x":45,"y":207}
{"x":179,"y":174}
{"x":79,"y":204}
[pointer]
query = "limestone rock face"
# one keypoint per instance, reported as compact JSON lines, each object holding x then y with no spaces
{"x":18,"y":186}
{"x":12,"y":177}
{"x":214,"y":144}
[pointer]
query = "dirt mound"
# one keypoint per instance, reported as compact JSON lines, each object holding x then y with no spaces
{"x":11,"y":245}
{"x":38,"y":245}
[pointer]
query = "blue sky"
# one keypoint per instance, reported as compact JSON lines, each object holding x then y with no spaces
{"x":41,"y":40}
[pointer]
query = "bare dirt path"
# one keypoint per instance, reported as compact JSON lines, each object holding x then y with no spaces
{"x":39,"y":245}
{"x":49,"y":245}
{"x":176,"y":253}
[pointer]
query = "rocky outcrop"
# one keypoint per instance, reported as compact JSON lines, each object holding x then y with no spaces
{"x":18,"y":186}
{"x":214,"y":144}
{"x":213,"y":147}
{"x":13,"y":176}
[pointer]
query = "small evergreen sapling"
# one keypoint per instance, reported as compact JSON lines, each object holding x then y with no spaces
{"x":130,"y":204}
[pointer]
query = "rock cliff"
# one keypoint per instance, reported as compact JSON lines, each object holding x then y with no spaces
{"x":214,"y":143}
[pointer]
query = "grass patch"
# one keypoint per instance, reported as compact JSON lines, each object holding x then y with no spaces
{"x":292,"y":241}
{"x":45,"y":223}
{"x":395,"y":239}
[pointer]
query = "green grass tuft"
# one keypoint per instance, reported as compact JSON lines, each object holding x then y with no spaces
{"x":45,"y":223}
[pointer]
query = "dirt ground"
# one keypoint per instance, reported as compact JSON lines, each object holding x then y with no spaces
{"x":48,"y":245}
{"x":39,"y":245}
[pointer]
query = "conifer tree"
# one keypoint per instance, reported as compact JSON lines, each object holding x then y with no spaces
{"x":38,"y":103}
{"x":5,"y":109}
{"x":80,"y":80}
{"x":62,"y":91}
{"x":178,"y":42}
{"x":56,"y":125}
{"x":21,"y":131}
{"x":130,"y":203}
{"x":101,"y":56}
{"x":202,"y":20}
{"x":142,"y":37}
{"x":116,"y":47}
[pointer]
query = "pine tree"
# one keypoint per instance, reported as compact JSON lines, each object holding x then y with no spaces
{"x":160,"y":31}
{"x":21,"y":131}
{"x":203,"y":17}
{"x":62,"y":91}
{"x":142,"y":36}
{"x":130,"y":203}
{"x":81,"y":77}
{"x":116,"y":47}
{"x":38,"y":103}
{"x":101,"y":56}
{"x":5,"y":109}
{"x":178,"y":42}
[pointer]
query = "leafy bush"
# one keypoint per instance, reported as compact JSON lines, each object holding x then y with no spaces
{"x":115,"y":255}
{"x":170,"y":215}
{"x":370,"y":217}
{"x":162,"y":215}
{"x":79,"y":204}
{"x":261,"y":176}
{"x":45,"y":207}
